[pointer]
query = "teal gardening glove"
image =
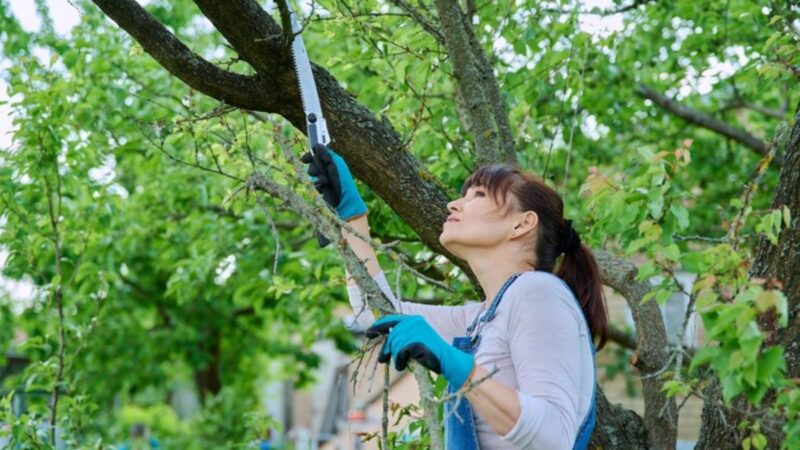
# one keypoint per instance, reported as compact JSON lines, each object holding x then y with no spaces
{"x":333,"y":180}
{"x":412,"y":337}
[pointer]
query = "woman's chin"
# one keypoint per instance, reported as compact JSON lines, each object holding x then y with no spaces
{"x":447,"y":244}
{"x":444,"y":240}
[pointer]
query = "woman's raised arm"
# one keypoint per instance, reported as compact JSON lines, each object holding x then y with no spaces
{"x":362,"y":249}
{"x":333,"y":180}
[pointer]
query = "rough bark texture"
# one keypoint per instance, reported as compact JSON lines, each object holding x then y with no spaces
{"x":247,"y":92}
{"x":373,"y":150}
{"x":480,"y":109}
{"x":779,"y":262}
{"x":617,"y":427}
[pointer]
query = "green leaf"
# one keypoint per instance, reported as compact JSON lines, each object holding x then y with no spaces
{"x":681,"y":214}
{"x":731,"y":387}
{"x":749,"y":374}
{"x":703,"y":356}
{"x":759,"y":441}
{"x":770,"y":361}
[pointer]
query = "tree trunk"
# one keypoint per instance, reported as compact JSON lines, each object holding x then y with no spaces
{"x":207,"y":379}
{"x":617,"y":427}
{"x":779,"y":263}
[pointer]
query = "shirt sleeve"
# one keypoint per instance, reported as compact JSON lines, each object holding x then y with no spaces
{"x":547,"y":339}
{"x":448,"y":321}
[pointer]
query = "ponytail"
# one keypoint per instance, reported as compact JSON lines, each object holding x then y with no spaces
{"x":579,"y":270}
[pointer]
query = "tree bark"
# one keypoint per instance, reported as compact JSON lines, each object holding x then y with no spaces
{"x":617,"y":427}
{"x":779,"y":263}
{"x":480,"y":104}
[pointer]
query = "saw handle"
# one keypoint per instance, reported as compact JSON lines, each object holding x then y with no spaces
{"x":321,"y":239}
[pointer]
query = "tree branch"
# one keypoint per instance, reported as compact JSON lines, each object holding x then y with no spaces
{"x":651,"y":348}
{"x":374,"y":297}
{"x":704,"y":120}
{"x":372,"y":148}
{"x":418,"y":16}
{"x":232,"y":88}
{"x":741,"y":103}
{"x":488,"y":126}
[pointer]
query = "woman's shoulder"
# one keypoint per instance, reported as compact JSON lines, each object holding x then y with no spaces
{"x":536,"y":291}
{"x":538,"y":281}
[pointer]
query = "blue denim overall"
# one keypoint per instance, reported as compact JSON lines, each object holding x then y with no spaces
{"x":459,"y":427}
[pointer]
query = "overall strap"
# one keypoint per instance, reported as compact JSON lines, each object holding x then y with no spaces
{"x":480,"y":321}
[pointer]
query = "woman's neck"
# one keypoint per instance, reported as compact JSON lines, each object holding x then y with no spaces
{"x":493,"y":272}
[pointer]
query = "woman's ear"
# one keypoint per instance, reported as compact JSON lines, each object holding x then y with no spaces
{"x":526,"y":222}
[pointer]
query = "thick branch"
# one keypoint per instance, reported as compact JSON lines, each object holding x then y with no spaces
{"x":371,"y":147}
{"x":652,"y":355}
{"x":617,"y":428}
{"x":492,"y":93}
{"x":704,"y":120}
{"x":488,"y":127}
{"x":232,"y":88}
{"x":257,"y":38}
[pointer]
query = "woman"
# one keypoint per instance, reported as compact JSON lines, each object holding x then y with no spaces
{"x":524,"y":357}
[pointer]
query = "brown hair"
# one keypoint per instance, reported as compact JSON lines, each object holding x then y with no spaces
{"x":579,"y":268}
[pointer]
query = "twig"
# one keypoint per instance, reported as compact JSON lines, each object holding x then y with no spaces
{"x":385,"y":415}
{"x":661,"y":370}
{"x":574,"y":115}
{"x":708,"y":239}
{"x":275,"y":234}
{"x":160,"y":147}
{"x":749,"y":191}
{"x":560,"y":112}
{"x":421,"y":20}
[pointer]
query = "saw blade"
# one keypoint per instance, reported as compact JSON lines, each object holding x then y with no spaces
{"x":315,"y":121}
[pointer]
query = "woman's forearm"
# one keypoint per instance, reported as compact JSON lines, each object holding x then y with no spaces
{"x":361,"y":248}
{"x":497,"y":403}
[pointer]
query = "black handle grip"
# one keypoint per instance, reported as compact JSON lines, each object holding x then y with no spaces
{"x":323,"y":241}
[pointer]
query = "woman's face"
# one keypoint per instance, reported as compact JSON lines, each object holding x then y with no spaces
{"x":480,"y":223}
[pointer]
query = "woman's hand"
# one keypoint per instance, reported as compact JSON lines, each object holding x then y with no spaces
{"x":412,"y":337}
{"x":333,"y":180}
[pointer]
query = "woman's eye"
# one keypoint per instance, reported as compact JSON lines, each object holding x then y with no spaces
{"x":479,"y":193}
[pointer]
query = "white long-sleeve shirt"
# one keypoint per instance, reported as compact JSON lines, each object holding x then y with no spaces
{"x":538,"y":343}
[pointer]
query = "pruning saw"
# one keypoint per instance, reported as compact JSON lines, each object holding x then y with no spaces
{"x":315,"y":121}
